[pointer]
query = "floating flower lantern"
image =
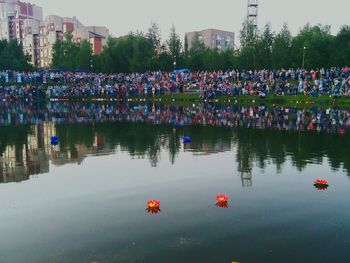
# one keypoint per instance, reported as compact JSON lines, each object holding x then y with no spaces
{"x":153,"y":207}
{"x":222,"y":201}
{"x":321,"y":184}
{"x":54,"y":140}
{"x":186,"y":139}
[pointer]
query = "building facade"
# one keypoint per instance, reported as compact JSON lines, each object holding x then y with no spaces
{"x":31,"y":40}
{"x":13,"y":14}
{"x":213,"y":38}
{"x":24,"y":22}
{"x":96,"y":35}
{"x":54,"y":28}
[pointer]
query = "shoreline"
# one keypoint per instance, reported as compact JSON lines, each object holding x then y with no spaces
{"x":183,"y":99}
{"x":323,"y":100}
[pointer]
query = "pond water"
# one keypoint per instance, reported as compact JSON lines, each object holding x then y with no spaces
{"x":85,"y":199}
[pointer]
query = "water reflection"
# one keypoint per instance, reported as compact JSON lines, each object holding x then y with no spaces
{"x":257,"y":135}
{"x":261,"y":117}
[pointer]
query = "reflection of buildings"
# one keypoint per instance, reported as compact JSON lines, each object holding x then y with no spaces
{"x":19,"y":162}
{"x":208,"y":148}
{"x":77,"y":154}
{"x":17,"y":165}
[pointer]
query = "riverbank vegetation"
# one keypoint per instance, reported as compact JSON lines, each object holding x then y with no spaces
{"x":12,"y":56}
{"x":140,"y":52}
{"x":299,"y":101}
{"x":146,"y":51}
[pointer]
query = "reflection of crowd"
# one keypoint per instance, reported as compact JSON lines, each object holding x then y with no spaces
{"x":331,"y":120}
{"x":40,"y":85}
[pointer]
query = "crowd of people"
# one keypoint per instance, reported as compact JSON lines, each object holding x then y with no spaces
{"x":257,"y":117}
{"x":69,"y":85}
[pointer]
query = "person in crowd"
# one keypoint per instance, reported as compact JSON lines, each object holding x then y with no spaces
{"x":209,"y":85}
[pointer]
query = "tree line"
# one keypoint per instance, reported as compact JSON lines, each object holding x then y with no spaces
{"x":12,"y":56}
{"x":253,"y":145}
{"x":313,"y":46}
{"x":70,"y":55}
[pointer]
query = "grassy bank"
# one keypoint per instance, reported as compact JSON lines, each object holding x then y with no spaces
{"x":290,"y":101}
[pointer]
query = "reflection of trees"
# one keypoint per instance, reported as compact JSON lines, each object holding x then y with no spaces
{"x":208,"y":139}
{"x":14,"y":136}
{"x":258,"y":146}
{"x":139,"y":140}
{"x":301,"y":148}
{"x":143,"y":140}
{"x":174,"y":146}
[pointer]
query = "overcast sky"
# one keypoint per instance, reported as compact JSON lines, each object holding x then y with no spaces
{"x":123,"y":16}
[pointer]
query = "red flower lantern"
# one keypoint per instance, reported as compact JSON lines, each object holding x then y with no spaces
{"x":321,"y":184}
{"x":153,"y":207}
{"x":222,"y":201}
{"x":153,"y":203}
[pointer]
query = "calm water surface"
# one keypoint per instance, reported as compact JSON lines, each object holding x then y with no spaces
{"x":84,"y":200}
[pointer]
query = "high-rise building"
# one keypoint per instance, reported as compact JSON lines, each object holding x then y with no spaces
{"x":24,"y":22}
{"x":13,"y":14}
{"x":213,"y":38}
{"x":54,"y":28}
{"x":96,"y":35}
{"x":31,"y":40}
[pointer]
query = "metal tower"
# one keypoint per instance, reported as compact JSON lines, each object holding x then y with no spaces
{"x":252,"y":16}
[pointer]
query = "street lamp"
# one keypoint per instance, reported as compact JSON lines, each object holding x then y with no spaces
{"x":304,"y":49}
{"x":174,"y":63}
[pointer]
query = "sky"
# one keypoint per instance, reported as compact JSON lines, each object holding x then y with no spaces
{"x":122,"y":16}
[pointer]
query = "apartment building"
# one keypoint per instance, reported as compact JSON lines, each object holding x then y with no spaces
{"x":96,"y":35}
{"x":24,"y":22}
{"x":213,"y":38}
{"x":13,"y":14}
{"x":54,"y":28}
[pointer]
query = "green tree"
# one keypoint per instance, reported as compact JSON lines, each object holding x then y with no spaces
{"x":71,"y":51}
{"x":186,"y":46}
{"x":318,"y":42}
{"x":174,"y":44}
{"x":264,"y":48}
{"x":157,"y":48}
{"x":139,"y":52}
{"x":213,"y":60}
{"x":281,"y":48}
{"x":195,"y":59}
{"x":341,"y":50}
{"x":65,"y":53}
{"x":143,"y":54}
{"x":57,"y":54}
{"x":12,"y":56}
{"x":249,"y":39}
{"x":154,"y":36}
{"x":84,"y":56}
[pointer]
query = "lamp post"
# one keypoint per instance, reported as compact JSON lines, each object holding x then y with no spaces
{"x":304,"y":49}
{"x":174,"y":63}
